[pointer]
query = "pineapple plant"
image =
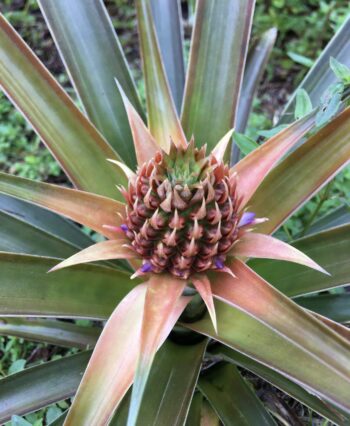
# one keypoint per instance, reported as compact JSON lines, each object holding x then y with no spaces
{"x":186,"y":304}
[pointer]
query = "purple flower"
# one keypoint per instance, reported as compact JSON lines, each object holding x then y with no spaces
{"x":219,"y":263}
{"x":247,"y":219}
{"x":146,"y":267}
{"x":124,"y":227}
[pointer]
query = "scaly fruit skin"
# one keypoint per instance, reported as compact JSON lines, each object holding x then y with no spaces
{"x":182,"y":215}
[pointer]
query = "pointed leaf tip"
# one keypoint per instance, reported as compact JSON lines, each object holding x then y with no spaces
{"x":106,"y":250}
{"x":265,"y":246}
{"x":221,"y":151}
{"x":145,"y":145}
{"x":202,"y":285}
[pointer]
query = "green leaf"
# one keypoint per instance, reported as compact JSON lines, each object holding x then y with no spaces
{"x":194,"y":414}
{"x":333,"y":306}
{"x":19,"y":421}
{"x":341,"y":71}
{"x":52,"y":414}
{"x":218,"y":50}
{"x":272,"y":132}
{"x":169,"y":388}
{"x":17,"y":236}
{"x":85,"y":291}
{"x":303,"y":105}
{"x":339,"y":216}
{"x":283,"y":383}
{"x":257,"y":59}
{"x":291,"y":183}
{"x":76,"y":144}
{"x":59,"y":421}
{"x":330,"y":249}
{"x":167,"y":21}
{"x":17,"y":366}
{"x":55,"y":332}
{"x":301,"y":59}
{"x":162,"y":116}
{"x":45,"y":220}
{"x":329,"y":109}
{"x":80,"y":28}
{"x":231,"y":397}
{"x":320,"y":76}
{"x":37,"y":387}
{"x":247,"y":335}
{"x":244,"y":143}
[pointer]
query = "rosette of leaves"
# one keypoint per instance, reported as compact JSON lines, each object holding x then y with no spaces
{"x":185,"y":305}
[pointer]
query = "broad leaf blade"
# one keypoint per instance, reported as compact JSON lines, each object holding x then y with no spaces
{"x":169,"y":388}
{"x":88,"y":209}
{"x":252,"y":338}
{"x":50,"y":331}
{"x":74,"y":141}
{"x":329,"y":248}
{"x":167,"y":21}
{"x":39,"y":386}
{"x":339,"y":216}
{"x":162,"y":116}
{"x":85,"y":291}
{"x":303,"y":173}
{"x":17,"y":236}
{"x":111,"y":368}
{"x":333,"y":306}
{"x":320,"y":76}
{"x":80,"y":29}
{"x":281,"y":382}
{"x":159,"y":316}
{"x":218,"y":49}
{"x":231,"y":397}
{"x":45,"y":220}
{"x":253,"y":295}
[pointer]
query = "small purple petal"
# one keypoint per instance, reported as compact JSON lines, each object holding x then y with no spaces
{"x":219,"y":263}
{"x":146,"y":267}
{"x":247,"y":219}
{"x":124,"y":227}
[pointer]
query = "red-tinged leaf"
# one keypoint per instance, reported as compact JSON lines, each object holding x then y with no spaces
{"x":251,"y":294}
{"x":88,"y":209}
{"x":106,"y":250}
{"x":162,"y":116}
{"x":267,"y":247}
{"x":292,"y":182}
{"x":221,"y":151}
{"x":161,"y":311}
{"x":74,"y":141}
{"x":111,"y":368}
{"x":253,"y":168}
{"x":202,"y":285}
{"x":144,"y":143}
